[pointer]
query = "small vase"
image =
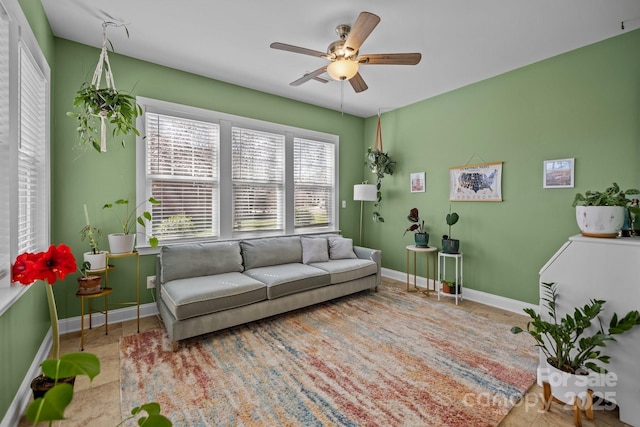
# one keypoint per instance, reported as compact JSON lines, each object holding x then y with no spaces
{"x":422,"y":240}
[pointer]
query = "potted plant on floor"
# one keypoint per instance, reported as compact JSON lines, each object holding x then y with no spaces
{"x":572,"y":345}
{"x":421,"y":236}
{"x":601,"y":214}
{"x":120,"y":243}
{"x":95,"y":257}
{"x":450,"y":288}
{"x":449,"y":245}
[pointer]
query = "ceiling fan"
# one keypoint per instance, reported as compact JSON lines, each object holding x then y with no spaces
{"x":344,"y":54}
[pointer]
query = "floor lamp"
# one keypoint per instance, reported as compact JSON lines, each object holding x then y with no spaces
{"x":364,"y":193}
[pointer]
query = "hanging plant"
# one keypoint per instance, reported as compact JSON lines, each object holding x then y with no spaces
{"x":380,"y":164}
{"x":95,"y":106}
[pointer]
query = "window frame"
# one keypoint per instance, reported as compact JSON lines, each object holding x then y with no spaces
{"x":225,"y":196}
{"x":21,"y":36}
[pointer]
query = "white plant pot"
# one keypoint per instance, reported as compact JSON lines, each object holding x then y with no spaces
{"x":98,"y":261}
{"x":600,"y":221}
{"x":567,"y":387}
{"x":120,"y":243}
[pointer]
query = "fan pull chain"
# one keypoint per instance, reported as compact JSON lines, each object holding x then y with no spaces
{"x":342,"y":97}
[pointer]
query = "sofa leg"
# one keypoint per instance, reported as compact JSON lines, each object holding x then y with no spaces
{"x":175,"y":346}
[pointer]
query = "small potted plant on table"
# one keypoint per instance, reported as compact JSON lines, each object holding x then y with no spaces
{"x":601,"y":214}
{"x":449,"y":245}
{"x":421,"y":236}
{"x":95,"y":257}
{"x":121,"y":243}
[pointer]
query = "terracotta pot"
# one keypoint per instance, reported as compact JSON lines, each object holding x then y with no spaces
{"x":89,"y":285}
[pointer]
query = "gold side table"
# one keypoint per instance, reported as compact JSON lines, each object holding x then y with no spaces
{"x":430,"y":253}
{"x":135,"y":254}
{"x":103,"y":293}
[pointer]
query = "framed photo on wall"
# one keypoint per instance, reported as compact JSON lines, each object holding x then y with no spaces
{"x":558,"y":173}
{"x":417,"y":183}
{"x":476,"y":183}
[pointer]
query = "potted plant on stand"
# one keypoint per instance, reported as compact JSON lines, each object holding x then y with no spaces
{"x":421,"y":236}
{"x":88,"y":283}
{"x":95,"y":257}
{"x":121,"y":243}
{"x":449,"y":245}
{"x":572,"y":345}
{"x":601,"y":214}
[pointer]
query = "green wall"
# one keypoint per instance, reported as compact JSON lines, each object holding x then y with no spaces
{"x":584,"y":104}
{"x":96,"y":179}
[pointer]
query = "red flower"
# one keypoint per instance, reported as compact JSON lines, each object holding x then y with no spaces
{"x":56,"y":262}
{"x":23,"y":269}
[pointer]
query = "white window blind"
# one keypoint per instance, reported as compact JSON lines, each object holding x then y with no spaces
{"x":182,"y":173}
{"x":258,"y":180}
{"x":5,"y":261}
{"x":32,"y":169}
{"x":314,"y":186}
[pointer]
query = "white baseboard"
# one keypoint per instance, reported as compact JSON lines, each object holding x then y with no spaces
{"x":23,"y":396}
{"x":73,"y":324}
{"x":485,"y":298}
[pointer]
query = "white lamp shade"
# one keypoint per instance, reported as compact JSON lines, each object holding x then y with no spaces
{"x":342,"y":69}
{"x":365,"y":192}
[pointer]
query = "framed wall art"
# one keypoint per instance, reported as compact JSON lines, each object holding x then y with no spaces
{"x":417,"y":182}
{"x":558,"y":173}
{"x":476,"y":183}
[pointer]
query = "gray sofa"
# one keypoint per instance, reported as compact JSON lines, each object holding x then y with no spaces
{"x":205,"y":287}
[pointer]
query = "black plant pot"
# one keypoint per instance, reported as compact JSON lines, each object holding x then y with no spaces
{"x":42,"y":384}
{"x":450,"y":246}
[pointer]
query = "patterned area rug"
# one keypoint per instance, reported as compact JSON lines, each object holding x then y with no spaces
{"x":372,"y":359}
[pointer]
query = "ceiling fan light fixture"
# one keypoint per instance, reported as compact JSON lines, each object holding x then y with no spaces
{"x":342,"y":69}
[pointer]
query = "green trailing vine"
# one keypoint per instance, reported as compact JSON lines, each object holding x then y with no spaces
{"x":380,"y":164}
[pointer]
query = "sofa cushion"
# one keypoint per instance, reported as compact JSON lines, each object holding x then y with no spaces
{"x":341,"y":248}
{"x":196,"y":296}
{"x":314,"y":249}
{"x":271,"y":251}
{"x":285,"y":279}
{"x":344,"y":270}
{"x":199,"y":259}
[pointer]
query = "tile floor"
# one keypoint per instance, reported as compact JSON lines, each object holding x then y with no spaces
{"x":97,"y":404}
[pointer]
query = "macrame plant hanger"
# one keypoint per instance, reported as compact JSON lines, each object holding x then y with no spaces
{"x":104,"y":65}
{"x":378,"y":143}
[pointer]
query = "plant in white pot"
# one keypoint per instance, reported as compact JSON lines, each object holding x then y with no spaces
{"x":601,"y":214}
{"x":572,"y":345}
{"x":96,"y":257}
{"x":124,"y":242}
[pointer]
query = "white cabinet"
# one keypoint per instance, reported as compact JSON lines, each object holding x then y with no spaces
{"x":609,"y":269}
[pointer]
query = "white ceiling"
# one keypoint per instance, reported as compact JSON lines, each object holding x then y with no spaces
{"x":461,"y":41}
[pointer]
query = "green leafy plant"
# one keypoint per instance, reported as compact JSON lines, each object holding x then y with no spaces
{"x":418,"y":225}
{"x":451,"y":218}
{"x":380,"y":164}
{"x":567,"y":342}
{"x":91,"y":104}
{"x":127,"y":217}
{"x":612,"y":196}
{"x":90,"y":232}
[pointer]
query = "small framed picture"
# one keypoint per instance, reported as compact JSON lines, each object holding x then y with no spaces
{"x":558,"y":173}
{"x":417,"y":182}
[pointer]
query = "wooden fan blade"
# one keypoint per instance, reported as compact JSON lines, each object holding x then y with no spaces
{"x":297,"y":49}
{"x":309,"y":76}
{"x":358,"y":84}
{"x":391,"y":58}
{"x":363,"y":26}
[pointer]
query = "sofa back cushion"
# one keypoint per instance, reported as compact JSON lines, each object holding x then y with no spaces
{"x":199,"y":259}
{"x":271,"y":251}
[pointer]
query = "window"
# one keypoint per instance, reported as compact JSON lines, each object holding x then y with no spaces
{"x":258,"y":181}
{"x":24,"y":145}
{"x":182,"y":172}
{"x":219,"y":176}
{"x":314,"y":180}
